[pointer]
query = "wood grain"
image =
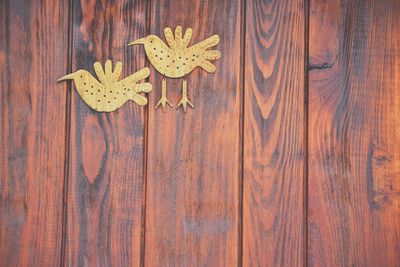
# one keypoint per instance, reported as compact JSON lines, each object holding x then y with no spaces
{"x":274,"y":140}
{"x":192,"y":209}
{"x":33,"y":52}
{"x":354,"y":134}
{"x":107,"y":150}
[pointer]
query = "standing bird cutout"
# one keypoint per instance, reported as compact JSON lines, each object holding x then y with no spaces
{"x":178,"y":60}
{"x":109,"y":94}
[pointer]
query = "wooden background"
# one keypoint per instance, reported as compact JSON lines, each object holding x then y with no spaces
{"x":290,"y":158}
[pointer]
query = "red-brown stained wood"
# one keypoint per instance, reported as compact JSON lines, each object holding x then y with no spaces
{"x":107,"y":149}
{"x":354,"y":133}
{"x":33,"y":53}
{"x":274,"y":142}
{"x":192,"y":208}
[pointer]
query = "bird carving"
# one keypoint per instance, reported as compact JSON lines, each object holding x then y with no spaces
{"x":108,"y":94}
{"x":177,"y":59}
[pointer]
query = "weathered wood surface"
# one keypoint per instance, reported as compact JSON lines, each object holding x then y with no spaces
{"x":354,"y":133}
{"x":33,"y":45}
{"x":274,"y":140}
{"x":275,"y":166}
{"x":106,"y":150}
{"x":193,"y":178}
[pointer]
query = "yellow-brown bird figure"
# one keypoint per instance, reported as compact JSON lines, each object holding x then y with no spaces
{"x":178,"y":60}
{"x":109,"y":94}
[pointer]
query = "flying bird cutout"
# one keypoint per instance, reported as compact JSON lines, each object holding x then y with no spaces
{"x":176,"y":60}
{"x":109,"y":94}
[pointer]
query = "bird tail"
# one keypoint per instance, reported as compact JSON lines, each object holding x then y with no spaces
{"x":141,"y":88}
{"x":205,"y":56}
{"x":207,"y":43}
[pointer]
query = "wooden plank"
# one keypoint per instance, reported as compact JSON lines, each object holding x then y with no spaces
{"x":354,"y":133}
{"x":107,"y":149}
{"x":192,"y":207}
{"x":33,"y":52}
{"x":274,"y":140}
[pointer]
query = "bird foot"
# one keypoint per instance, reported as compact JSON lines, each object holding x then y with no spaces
{"x":163,"y":102}
{"x":184,"y":102}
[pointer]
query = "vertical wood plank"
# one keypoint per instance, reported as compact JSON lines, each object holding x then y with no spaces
{"x":354,"y":134}
{"x":107,"y":150}
{"x":192,"y":214}
{"x":33,"y":53}
{"x":274,"y":141}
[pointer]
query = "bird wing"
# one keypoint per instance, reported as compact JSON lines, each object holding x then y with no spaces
{"x":177,"y":42}
{"x":108,"y":74}
{"x":169,"y":36}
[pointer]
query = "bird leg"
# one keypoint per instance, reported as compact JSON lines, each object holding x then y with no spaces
{"x":184,"y":100}
{"x":163,"y":100}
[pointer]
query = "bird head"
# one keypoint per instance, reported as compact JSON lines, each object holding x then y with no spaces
{"x":79,"y":76}
{"x":148,"y":41}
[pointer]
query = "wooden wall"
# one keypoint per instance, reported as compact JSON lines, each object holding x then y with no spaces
{"x":291,"y":156}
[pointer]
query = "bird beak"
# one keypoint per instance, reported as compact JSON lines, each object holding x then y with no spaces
{"x":138,"y":41}
{"x":67,"y":77}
